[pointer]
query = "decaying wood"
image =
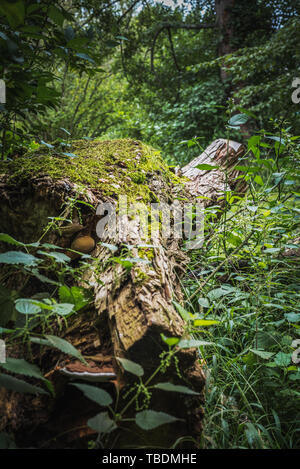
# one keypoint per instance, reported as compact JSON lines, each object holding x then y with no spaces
{"x":131,"y":308}
{"x":213,"y":184}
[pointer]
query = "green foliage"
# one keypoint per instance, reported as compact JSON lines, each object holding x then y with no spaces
{"x":97,"y":395}
{"x":149,"y":419}
{"x":251,"y":290}
{"x":163,"y":85}
{"x":102,"y":423}
{"x":267,"y":72}
{"x":18,"y":385}
{"x":131,"y":367}
{"x":38,"y":39}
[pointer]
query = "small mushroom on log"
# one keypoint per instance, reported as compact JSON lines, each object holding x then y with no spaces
{"x":82,"y":244}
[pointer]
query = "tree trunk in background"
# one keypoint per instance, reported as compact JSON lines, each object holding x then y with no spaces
{"x":130,"y":312}
{"x":229,"y":42}
{"x":225,"y":24}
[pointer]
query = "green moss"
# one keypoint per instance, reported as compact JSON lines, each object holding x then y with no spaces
{"x":140,"y":276}
{"x":146,"y":253}
{"x":113,"y":167}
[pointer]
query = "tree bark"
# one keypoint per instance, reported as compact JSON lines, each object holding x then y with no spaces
{"x":131,"y":307}
{"x":225,"y":24}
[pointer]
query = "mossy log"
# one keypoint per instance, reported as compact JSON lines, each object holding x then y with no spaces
{"x":131,"y":307}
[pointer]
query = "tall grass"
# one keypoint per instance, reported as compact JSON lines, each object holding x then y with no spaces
{"x":246,"y":276}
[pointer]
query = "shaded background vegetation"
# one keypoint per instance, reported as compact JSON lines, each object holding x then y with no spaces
{"x":144,"y":69}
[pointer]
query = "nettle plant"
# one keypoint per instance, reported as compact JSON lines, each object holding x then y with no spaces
{"x":44,"y":262}
{"x":48,"y":313}
{"x":246,"y":277}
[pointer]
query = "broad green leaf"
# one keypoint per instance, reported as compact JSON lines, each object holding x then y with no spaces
{"x":58,"y":256}
{"x":15,"y":384}
{"x":74,"y":295}
{"x":85,"y":57}
{"x":262,"y":353}
{"x":62,"y":308}
{"x":217,"y":293}
{"x":56,"y":15}
{"x":271,"y":250}
{"x":5,"y":238}
{"x":16,"y":257}
{"x":26,"y":306}
{"x":50,"y":246}
{"x":192,"y":343}
{"x":282,"y":359}
{"x":125,"y":263}
{"x":238,"y":119}
{"x":258,"y":180}
{"x":248,"y":169}
{"x":255,"y":138}
{"x":175,"y":388}
{"x":234,"y":239}
{"x":149,"y":419}
{"x":64,"y":346}
{"x":97,"y":395}
{"x":186,"y":316}
{"x":292,"y":317}
{"x":102,"y":423}
{"x":203,"y":302}
{"x":131,"y":366}
{"x":170,"y":341}
{"x":111,"y":247}
{"x":265,"y":340}
{"x":22,"y":367}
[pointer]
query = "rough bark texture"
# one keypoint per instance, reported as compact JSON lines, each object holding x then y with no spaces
{"x":132,"y":308}
{"x":225,"y":25}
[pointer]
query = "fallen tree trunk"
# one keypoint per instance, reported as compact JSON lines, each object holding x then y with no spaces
{"x":134,"y":278}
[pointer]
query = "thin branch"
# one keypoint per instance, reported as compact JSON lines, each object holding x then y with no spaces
{"x":172,"y":49}
{"x":128,"y":10}
{"x":81,"y":100}
{"x":169,"y":26}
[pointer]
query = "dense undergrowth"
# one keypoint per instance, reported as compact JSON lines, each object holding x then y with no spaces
{"x":243,"y":283}
{"x":246,"y":276}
